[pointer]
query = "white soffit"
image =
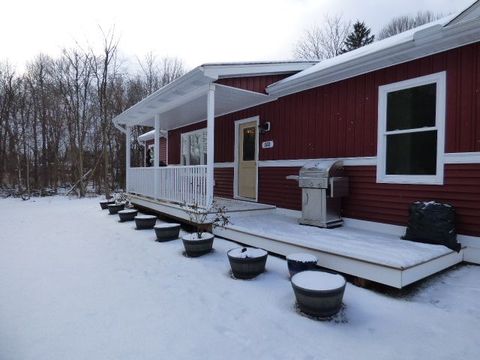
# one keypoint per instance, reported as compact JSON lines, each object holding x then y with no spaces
{"x":227,"y":100}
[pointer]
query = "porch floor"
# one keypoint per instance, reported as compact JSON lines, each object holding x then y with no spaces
{"x":378,"y":256}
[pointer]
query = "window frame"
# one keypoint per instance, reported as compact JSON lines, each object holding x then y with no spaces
{"x":182,"y":135}
{"x":440,"y":113}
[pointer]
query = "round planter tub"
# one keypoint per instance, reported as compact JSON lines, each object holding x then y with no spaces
{"x":127,"y":214}
{"x":144,"y":222}
{"x":115,"y":208}
{"x":104,"y":204}
{"x":195,"y":247}
{"x":301,"y":262}
{"x":318,"y":293}
{"x":246,"y":263}
{"x":167,"y":231}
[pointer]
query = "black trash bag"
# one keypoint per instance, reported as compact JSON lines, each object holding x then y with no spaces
{"x":432,"y":223}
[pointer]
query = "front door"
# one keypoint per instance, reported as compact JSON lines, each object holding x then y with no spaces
{"x":247,"y":160}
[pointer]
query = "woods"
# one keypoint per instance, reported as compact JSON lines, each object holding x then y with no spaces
{"x":55,"y":117}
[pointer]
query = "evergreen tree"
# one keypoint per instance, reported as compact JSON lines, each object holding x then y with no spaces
{"x":360,"y":36}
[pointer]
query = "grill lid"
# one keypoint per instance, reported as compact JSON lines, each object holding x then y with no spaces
{"x":322,"y":168}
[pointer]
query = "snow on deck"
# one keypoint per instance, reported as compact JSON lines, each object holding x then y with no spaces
{"x":371,"y":246}
{"x":77,"y":284}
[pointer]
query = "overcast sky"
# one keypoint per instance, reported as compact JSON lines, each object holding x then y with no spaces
{"x":195,"y":31}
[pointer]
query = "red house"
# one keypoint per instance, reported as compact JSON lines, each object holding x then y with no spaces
{"x":402,"y":114}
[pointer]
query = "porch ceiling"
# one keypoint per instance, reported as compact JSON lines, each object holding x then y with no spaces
{"x":186,"y":108}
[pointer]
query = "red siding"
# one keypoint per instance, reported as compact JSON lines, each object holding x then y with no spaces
{"x":387,"y":203}
{"x":163,"y":148}
{"x":340,"y":120}
{"x":224,"y":182}
{"x":252,"y":83}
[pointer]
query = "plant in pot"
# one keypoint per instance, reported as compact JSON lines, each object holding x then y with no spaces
{"x":247,"y":263}
{"x":200,"y":242}
{"x":118,"y":204}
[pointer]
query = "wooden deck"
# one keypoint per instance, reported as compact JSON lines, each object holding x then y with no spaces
{"x":370,"y":251}
{"x":370,"y":254}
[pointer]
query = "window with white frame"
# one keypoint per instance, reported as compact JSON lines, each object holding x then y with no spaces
{"x":194,"y":147}
{"x":411,"y":131}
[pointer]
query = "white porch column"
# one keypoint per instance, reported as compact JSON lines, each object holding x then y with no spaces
{"x":128,"y":135}
{"x":210,"y":143}
{"x":156,"y":152}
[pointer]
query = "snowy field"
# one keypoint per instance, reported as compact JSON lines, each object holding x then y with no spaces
{"x":76,"y":284}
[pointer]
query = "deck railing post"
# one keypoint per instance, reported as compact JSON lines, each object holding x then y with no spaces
{"x":210,"y":144}
{"x":156,"y":157}
{"x":128,"y":134}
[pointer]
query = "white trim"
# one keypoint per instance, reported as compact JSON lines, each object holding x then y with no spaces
{"x":210,"y":144}
{"x":347,"y":161}
{"x":236,"y":162}
{"x":463,"y":158}
{"x":440,"y":80}
{"x":224,"y":165}
{"x":450,"y":158}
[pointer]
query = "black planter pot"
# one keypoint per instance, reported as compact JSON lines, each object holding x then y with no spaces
{"x":144,"y":222}
{"x":301,"y":262}
{"x":127,"y":215}
{"x":318,"y":293}
{"x":246,"y":263}
{"x":167,"y":231}
{"x":104,"y":204}
{"x":195,"y":247}
{"x":115,"y":208}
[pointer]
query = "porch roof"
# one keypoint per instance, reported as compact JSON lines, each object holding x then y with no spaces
{"x":184,"y":101}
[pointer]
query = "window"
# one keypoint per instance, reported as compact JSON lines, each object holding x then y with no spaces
{"x":411,"y":131}
{"x":249,"y":143}
{"x":194,"y":147}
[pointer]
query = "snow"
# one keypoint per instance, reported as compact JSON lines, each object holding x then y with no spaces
{"x":244,"y":253}
{"x":318,"y":280}
{"x":165,"y":225}
{"x":377,"y":247}
{"x":145,"y":217}
{"x":128,"y":211}
{"x":302,"y":257}
{"x":77,"y":284}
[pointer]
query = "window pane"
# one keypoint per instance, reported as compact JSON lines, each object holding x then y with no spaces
{"x":196,"y":149}
{"x":249,"y":144}
{"x":411,"y":108}
{"x":412,"y":154}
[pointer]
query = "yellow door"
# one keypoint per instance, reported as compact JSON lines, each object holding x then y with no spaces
{"x":247,"y":164}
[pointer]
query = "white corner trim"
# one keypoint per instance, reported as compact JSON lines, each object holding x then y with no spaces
{"x":463,"y":158}
{"x":347,"y":161}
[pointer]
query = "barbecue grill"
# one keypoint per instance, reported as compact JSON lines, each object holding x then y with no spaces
{"x":323,"y":185}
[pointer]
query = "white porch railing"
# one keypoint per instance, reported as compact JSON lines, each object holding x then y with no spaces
{"x":179,"y":184}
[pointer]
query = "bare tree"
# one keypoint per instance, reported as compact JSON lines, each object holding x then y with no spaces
{"x":324,"y":41}
{"x":403,"y":23}
{"x":157,"y":73}
{"x":55,"y":118}
{"x":102,"y":71}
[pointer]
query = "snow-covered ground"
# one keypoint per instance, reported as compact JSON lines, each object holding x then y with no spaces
{"x":76,"y":284}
